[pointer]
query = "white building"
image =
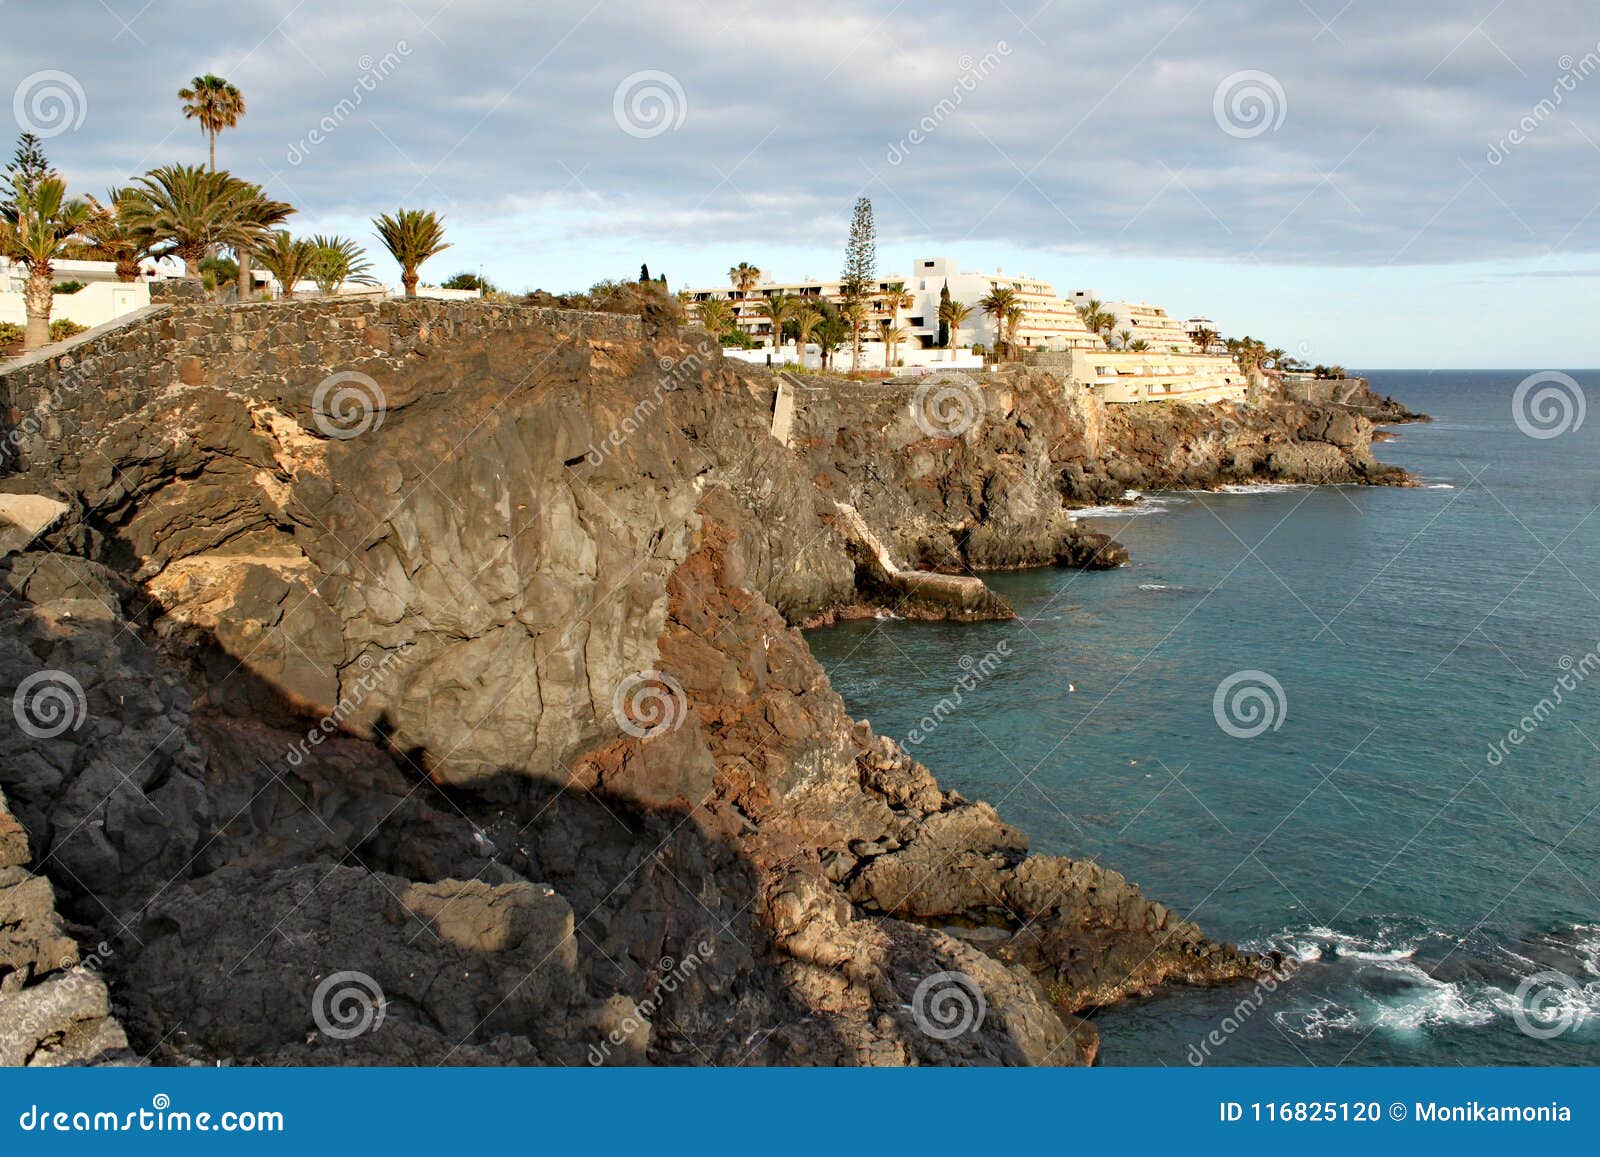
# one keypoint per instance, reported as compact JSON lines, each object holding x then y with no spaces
{"x":1140,"y":321}
{"x":103,"y":298}
{"x":1047,"y":320}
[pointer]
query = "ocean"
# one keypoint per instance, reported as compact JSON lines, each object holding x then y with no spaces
{"x":1291,"y":717}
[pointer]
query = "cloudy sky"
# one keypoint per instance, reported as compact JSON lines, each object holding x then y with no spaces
{"x":1405,"y":183}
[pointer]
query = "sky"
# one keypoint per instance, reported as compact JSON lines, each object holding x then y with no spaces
{"x":1399,"y":184}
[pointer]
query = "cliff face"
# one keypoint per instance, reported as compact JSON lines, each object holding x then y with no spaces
{"x":483,"y":694}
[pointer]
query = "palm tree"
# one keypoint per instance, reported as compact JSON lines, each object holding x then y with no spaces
{"x":112,"y":236}
{"x":338,"y":260}
{"x":1139,"y":345}
{"x":1096,"y":318}
{"x":806,"y":320}
{"x":998,"y":305}
{"x":854,"y":313}
{"x":744,"y":277}
{"x":189,"y":210}
{"x":215,"y":103}
{"x":1125,"y":336}
{"x":288,"y":259}
{"x":34,"y":231}
{"x":892,"y":336}
{"x":831,"y":334}
{"x":779,"y":308}
{"x":716,"y":314}
{"x":1013,"y":322}
{"x":954,"y":314}
{"x":411,"y":236}
{"x":1203,"y":338}
{"x":896,"y":298}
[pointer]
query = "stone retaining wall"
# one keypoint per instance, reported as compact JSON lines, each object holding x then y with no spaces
{"x":56,"y":401}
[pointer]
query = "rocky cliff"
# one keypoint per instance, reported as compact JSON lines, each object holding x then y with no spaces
{"x":412,"y":682}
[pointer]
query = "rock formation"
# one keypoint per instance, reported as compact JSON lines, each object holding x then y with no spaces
{"x":456,"y":712}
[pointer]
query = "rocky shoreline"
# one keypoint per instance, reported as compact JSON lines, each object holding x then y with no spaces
{"x":500,"y":703}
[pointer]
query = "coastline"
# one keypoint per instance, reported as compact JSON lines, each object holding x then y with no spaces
{"x":689,"y":555}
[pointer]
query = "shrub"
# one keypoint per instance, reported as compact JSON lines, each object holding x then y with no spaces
{"x":10,"y":333}
{"x":469,"y":281}
{"x":67,"y":287}
{"x":63,"y":328}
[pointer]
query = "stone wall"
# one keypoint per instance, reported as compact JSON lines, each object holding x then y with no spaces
{"x":55,"y":403}
{"x":1323,"y":391}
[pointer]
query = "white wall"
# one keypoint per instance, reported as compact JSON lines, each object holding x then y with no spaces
{"x":94,"y":304}
{"x":872,"y":357}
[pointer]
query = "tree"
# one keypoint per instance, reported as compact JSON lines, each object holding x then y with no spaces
{"x":1139,"y":345}
{"x":1203,"y":338}
{"x":29,"y":165}
{"x":34,"y":231}
{"x":860,"y":270}
{"x":997,"y":307}
{"x":216,"y":104}
{"x":744,"y":277}
{"x":952,"y":316}
{"x":1125,"y":336}
{"x":468,"y":280}
{"x":779,"y":308}
{"x":288,"y":259}
{"x":832,"y":332}
{"x":896,"y":298}
{"x":411,"y":236}
{"x":1013,"y":320}
{"x":892,"y":336}
{"x":112,"y":237}
{"x":187,"y":210}
{"x":338,"y":260}
{"x":944,"y":315}
{"x":806,"y":320}
{"x":716,"y":314}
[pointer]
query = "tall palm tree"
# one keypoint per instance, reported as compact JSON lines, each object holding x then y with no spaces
{"x":854,"y":313}
{"x":215,"y":103}
{"x":779,"y":308}
{"x":411,"y":236}
{"x":1097,"y":319}
{"x":954,"y":314}
{"x":997,"y":305}
{"x":288,"y":259}
{"x":1125,"y":336}
{"x":896,"y":298}
{"x":892,"y":336}
{"x":113,"y":237}
{"x":36,"y":227}
{"x":806,"y":320}
{"x":1203,"y":338}
{"x":338,"y":260}
{"x":716,"y":314}
{"x":744,"y":277}
{"x":187,"y":210}
{"x":1013,"y":320}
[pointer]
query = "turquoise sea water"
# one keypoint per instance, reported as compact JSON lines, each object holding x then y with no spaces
{"x":1441,"y":899}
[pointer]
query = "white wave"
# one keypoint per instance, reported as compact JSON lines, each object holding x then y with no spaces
{"x":1439,"y":486}
{"x":1318,"y":1021}
{"x":1155,"y":587}
{"x":1261,"y":487}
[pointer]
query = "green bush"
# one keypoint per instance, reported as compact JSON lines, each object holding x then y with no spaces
{"x":67,"y":286}
{"x":63,"y":328}
{"x":10,"y":333}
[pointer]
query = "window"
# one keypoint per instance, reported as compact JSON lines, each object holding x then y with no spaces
{"x":915,"y":322}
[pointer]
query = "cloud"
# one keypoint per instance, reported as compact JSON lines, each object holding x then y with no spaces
{"x":1086,"y":130}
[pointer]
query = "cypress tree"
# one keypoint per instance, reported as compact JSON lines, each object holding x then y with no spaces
{"x":860,"y":269}
{"x":944,"y":325}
